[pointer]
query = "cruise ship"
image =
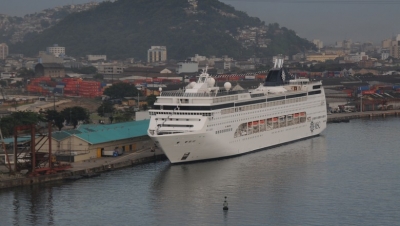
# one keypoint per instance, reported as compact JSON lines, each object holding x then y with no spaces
{"x":203,"y":121}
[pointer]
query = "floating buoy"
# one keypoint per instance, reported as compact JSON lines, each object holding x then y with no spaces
{"x":225,"y":204}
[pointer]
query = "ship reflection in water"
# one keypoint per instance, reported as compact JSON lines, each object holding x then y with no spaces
{"x":261,"y":184}
{"x":325,"y":180}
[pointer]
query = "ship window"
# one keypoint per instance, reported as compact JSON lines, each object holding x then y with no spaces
{"x":314,"y":92}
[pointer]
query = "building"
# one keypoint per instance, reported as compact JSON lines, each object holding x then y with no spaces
{"x":51,"y":70}
{"x":109,"y":68}
{"x":157,"y":54}
{"x":45,"y":57}
{"x":318,"y":43}
{"x":96,"y":57}
{"x":245,"y":65}
{"x":56,"y":50}
{"x":90,"y":141}
{"x":395,"y":49}
{"x":385,"y":53}
{"x":3,"y":51}
{"x":187,"y":67}
{"x":356,"y":57}
{"x":321,"y":57}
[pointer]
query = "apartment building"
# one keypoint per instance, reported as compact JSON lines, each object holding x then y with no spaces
{"x":109,"y":68}
{"x":3,"y":51}
{"x":56,"y":50}
{"x":157,"y":54}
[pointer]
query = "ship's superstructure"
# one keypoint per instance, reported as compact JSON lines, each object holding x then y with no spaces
{"x":203,"y":121}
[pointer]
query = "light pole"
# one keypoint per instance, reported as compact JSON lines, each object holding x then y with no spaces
{"x":54,"y":101}
{"x":140,"y":88}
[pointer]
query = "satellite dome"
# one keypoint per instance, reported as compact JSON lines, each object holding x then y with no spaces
{"x":211,"y":82}
{"x":227,"y":86}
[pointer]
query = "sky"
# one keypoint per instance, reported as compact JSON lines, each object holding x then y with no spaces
{"x":326,"y":20}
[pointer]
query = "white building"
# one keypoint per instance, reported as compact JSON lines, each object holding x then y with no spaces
{"x":3,"y":51}
{"x":198,"y":58}
{"x":109,"y":68}
{"x":187,"y":67}
{"x":157,"y":54}
{"x":46,"y":57}
{"x":318,"y":43}
{"x":96,"y":57}
{"x":385,"y":53}
{"x":356,"y":57}
{"x":56,"y":50}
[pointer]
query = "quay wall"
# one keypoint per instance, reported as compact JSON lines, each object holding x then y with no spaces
{"x":17,"y":181}
{"x":337,"y":117}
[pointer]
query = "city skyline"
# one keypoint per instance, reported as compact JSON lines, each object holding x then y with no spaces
{"x":326,"y":20}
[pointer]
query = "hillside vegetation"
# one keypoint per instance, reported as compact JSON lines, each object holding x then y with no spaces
{"x":127,"y":28}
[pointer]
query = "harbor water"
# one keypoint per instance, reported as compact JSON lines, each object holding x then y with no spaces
{"x":350,"y":175}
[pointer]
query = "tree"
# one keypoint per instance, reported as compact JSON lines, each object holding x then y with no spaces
{"x":3,"y":83}
{"x":151,"y":99}
{"x":105,"y":109}
{"x":98,"y":77}
{"x":8,"y":123}
{"x":56,"y":118}
{"x":120,"y":90}
{"x":26,"y":73}
{"x":75,"y":114}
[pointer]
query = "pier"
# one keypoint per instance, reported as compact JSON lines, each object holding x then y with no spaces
{"x":80,"y":169}
{"x":347,"y":116}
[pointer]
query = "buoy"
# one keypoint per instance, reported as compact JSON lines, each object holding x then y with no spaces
{"x":225,"y":205}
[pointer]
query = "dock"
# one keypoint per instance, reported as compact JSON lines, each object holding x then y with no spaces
{"x":347,"y":116}
{"x":84,"y":168}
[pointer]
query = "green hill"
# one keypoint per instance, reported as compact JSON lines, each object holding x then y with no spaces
{"x":127,"y":28}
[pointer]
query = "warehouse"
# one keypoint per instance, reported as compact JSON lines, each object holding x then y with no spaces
{"x":93,"y":141}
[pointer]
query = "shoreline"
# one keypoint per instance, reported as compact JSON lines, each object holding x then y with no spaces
{"x":106,"y":164}
{"x":346,"y":117}
{"x":80,"y":169}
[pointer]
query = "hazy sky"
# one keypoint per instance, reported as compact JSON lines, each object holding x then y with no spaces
{"x":327,"y":20}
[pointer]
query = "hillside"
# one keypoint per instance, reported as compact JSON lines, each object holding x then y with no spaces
{"x":127,"y":28}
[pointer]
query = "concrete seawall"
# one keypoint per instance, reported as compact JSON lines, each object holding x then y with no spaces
{"x":99,"y":165}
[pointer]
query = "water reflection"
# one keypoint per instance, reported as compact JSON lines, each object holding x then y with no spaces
{"x":30,"y":205}
{"x":267,"y":176}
